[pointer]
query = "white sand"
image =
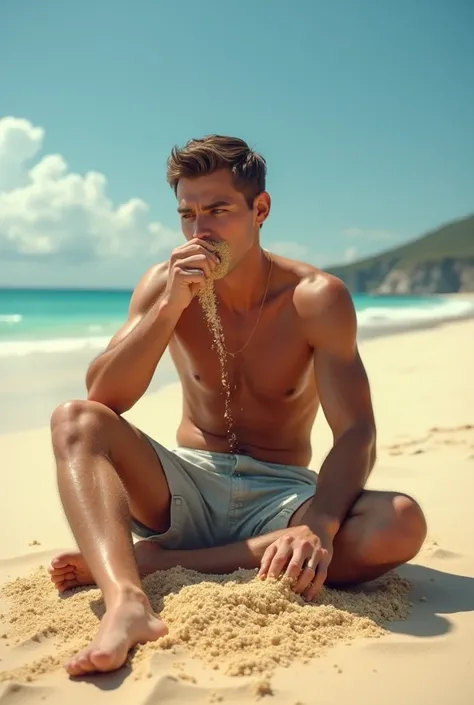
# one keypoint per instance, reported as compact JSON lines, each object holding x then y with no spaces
{"x":423,"y":390}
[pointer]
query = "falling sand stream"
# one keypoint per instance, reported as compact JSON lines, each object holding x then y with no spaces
{"x":208,"y":301}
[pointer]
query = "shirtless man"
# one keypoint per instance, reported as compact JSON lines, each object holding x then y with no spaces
{"x":290,"y":336}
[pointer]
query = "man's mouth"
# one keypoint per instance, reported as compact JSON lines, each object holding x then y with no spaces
{"x":215,"y":244}
{"x":222,"y":251}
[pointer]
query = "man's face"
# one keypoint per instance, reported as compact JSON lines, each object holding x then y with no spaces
{"x":211,"y":208}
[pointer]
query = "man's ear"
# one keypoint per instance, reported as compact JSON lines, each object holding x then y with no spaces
{"x":262,"y":206}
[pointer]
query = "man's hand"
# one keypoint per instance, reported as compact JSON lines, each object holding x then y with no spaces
{"x":300,"y":554}
{"x":190,"y":266}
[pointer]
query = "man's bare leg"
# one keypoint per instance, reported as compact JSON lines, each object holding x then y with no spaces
{"x":104,"y":466}
{"x":382,"y":531}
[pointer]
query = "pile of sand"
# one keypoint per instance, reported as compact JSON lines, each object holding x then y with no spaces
{"x":236,"y":623}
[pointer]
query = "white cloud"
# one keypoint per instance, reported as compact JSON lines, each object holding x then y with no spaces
{"x":350,"y":254}
{"x":373,"y":235}
{"x":286,"y":248}
{"x":48,"y":213}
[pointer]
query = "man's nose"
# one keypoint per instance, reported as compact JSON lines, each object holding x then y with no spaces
{"x":201,"y":227}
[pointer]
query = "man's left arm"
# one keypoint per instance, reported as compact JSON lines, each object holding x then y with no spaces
{"x":330,"y":324}
{"x":304,"y":552}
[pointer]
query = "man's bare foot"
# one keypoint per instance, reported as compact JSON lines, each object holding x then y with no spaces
{"x":128,"y":621}
{"x":69,"y":570}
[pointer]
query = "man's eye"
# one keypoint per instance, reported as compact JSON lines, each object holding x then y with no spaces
{"x":186,"y":216}
{"x":217,"y":211}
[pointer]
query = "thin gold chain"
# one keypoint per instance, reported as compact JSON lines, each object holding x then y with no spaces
{"x":233,"y":354}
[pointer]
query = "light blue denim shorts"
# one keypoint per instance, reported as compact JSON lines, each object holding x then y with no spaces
{"x":220,"y":498}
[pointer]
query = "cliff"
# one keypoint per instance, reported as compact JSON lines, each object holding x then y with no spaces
{"x":439,"y":262}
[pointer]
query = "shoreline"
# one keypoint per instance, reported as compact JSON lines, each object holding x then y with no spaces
{"x":413,"y":326}
{"x":373,"y":321}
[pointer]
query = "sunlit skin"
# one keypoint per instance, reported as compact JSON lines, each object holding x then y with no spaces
{"x":302,"y":356}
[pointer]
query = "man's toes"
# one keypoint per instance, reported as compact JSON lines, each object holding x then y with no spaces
{"x":80,"y":665}
{"x":59,"y":577}
{"x":68,"y":575}
{"x":70,"y":667}
{"x":105,"y":660}
{"x":85,"y":664}
{"x":60,"y":561}
{"x":73,"y":666}
{"x":58,"y":571}
{"x":95,"y":660}
{"x":64,"y":585}
{"x":61,"y":571}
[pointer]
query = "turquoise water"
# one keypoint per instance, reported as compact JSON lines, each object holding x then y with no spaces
{"x":40,"y":314}
{"x":34,"y":320}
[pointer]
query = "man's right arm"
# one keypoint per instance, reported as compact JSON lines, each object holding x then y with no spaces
{"x":120,"y":376}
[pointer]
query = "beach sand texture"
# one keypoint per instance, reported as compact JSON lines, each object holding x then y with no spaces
{"x":407,"y":637}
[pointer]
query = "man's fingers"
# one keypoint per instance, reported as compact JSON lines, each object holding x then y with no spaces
{"x":305,"y":562}
{"x":294,"y":568}
{"x":197,"y":263}
{"x":210,"y":247}
{"x":195,"y":247}
{"x":304,"y":580}
{"x":319,"y":579}
{"x":279,"y":561}
{"x":266,"y":560}
{"x":308,"y":571}
{"x":296,"y":564}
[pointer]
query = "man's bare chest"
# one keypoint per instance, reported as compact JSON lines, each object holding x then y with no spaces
{"x":273,"y":365}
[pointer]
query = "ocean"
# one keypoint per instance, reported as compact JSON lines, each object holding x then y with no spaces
{"x":62,"y":321}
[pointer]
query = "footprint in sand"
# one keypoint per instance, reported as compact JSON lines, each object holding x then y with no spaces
{"x":434,"y":550}
{"x":444,"y":555}
{"x":437,"y":436}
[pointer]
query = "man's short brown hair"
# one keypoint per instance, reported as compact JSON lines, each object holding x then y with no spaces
{"x":208,"y":154}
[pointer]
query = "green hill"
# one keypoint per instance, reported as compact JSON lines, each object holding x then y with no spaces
{"x":442,"y":261}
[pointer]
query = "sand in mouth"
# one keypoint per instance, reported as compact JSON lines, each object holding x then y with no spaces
{"x":208,"y":301}
{"x":236,"y":623}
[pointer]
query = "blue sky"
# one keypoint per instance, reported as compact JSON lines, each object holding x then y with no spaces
{"x":363,"y":110}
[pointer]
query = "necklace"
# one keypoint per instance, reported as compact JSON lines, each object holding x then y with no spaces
{"x":236,"y":352}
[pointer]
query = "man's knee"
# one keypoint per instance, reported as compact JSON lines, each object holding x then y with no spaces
{"x":77,"y":422}
{"x":401,"y":532}
{"x":410,"y":523}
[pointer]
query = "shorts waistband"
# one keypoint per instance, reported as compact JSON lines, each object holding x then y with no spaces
{"x":208,"y":459}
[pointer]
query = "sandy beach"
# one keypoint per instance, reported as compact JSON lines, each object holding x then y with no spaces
{"x":423,"y":392}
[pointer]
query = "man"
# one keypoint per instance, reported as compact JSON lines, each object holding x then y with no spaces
{"x":290,"y":340}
